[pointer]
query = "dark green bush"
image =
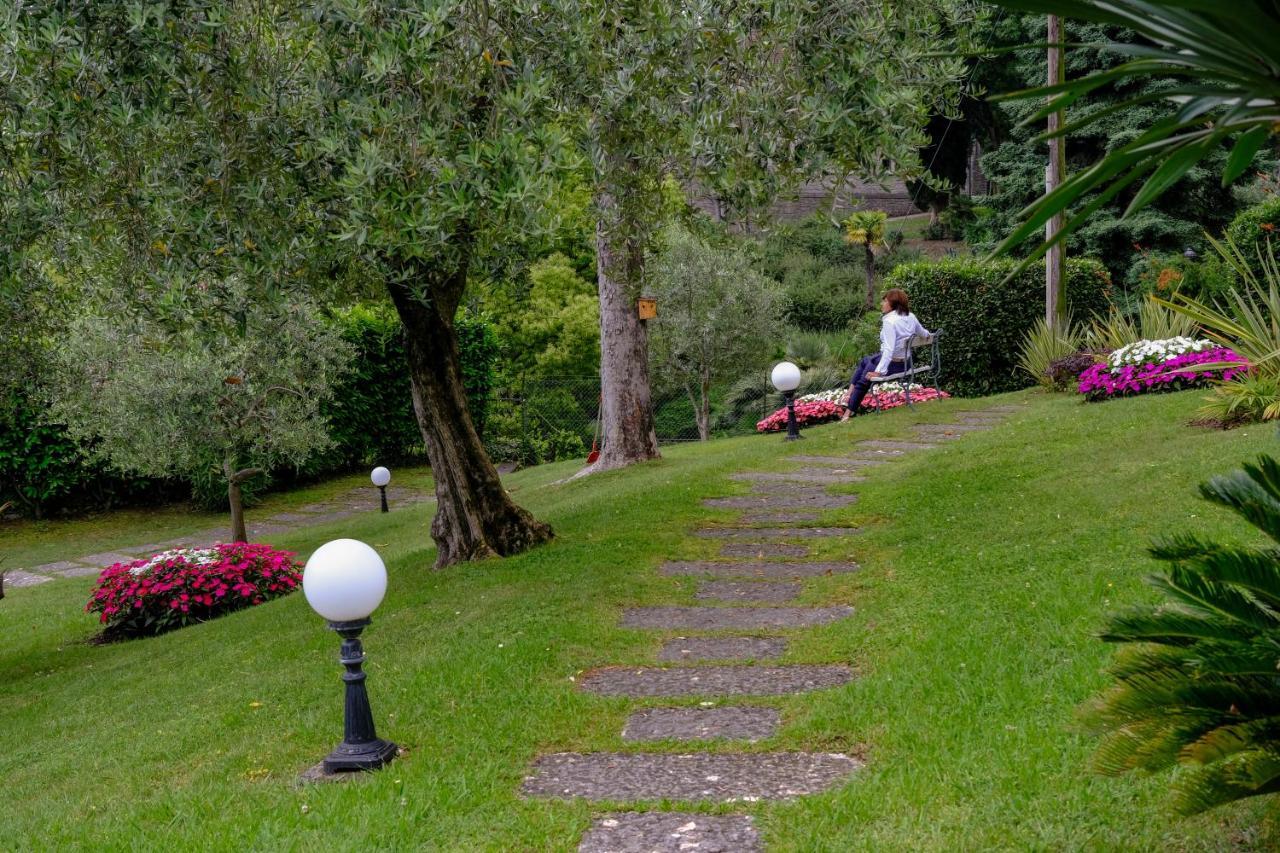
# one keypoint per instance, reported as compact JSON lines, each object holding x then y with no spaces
{"x":1253,"y":228}
{"x":985,"y":318}
{"x":1204,"y":279}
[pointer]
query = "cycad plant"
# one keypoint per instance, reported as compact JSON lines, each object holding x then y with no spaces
{"x":1199,"y":686}
{"x":866,"y":228}
{"x":1044,"y":345}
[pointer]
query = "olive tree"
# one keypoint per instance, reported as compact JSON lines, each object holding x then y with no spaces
{"x":716,"y":314}
{"x":221,"y":394}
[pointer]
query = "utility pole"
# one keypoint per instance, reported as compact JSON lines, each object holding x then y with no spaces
{"x":1055,"y":260}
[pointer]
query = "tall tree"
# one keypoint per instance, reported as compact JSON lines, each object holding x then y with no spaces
{"x":743,"y":100}
{"x":866,"y":228}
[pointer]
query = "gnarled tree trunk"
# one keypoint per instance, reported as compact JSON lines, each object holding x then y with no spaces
{"x":235,"y":496}
{"x":627,"y":404}
{"x":475,"y":518}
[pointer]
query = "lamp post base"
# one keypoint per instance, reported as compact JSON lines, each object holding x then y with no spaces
{"x":383,"y":490}
{"x":793,"y":428}
{"x":348,"y":757}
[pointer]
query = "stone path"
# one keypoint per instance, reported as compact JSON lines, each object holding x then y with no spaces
{"x":359,"y":500}
{"x":742,"y":597}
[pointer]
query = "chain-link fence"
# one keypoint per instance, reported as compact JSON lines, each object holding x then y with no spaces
{"x":549,"y":418}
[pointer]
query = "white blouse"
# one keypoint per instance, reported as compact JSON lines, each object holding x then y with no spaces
{"x":895,"y":331}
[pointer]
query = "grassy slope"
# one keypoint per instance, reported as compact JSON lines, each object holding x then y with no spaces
{"x":987,"y":566}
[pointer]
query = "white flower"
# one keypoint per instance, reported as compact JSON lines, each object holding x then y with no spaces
{"x":1154,"y":352}
{"x":191,"y":556}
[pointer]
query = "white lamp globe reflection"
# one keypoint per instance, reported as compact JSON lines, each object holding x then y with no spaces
{"x":380,"y":476}
{"x":785,"y":377}
{"x":344,"y":580}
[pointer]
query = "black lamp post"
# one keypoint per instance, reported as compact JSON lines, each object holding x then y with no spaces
{"x":380,"y":477}
{"x":344,"y":582}
{"x":786,"y":378}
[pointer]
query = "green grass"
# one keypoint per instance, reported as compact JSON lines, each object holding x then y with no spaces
{"x":912,"y":227}
{"x":987,"y":567}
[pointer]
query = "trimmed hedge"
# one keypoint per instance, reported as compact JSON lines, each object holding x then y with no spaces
{"x":1255,"y":227}
{"x":984,"y":318}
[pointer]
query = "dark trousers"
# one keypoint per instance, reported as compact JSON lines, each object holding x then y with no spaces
{"x":861,"y":384}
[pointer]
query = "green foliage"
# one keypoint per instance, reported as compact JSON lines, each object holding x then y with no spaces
{"x":865,"y":228}
{"x":716,"y":314}
{"x":1161,"y":274}
{"x":1196,"y":687}
{"x":1254,"y":229}
{"x":1044,"y":345}
{"x":986,"y":317}
{"x":819,"y":297}
{"x":1247,"y":398}
{"x":553,"y":329}
{"x":1155,"y":321}
{"x":1015,"y":159}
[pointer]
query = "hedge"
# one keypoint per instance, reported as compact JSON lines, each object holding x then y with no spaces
{"x":1254,"y":228}
{"x":984,"y":318}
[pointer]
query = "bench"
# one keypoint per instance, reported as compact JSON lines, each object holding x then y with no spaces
{"x":922,"y":359}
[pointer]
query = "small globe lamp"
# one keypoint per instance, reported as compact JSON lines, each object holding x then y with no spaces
{"x":380,"y":477}
{"x":786,"y":378}
{"x":1190,"y":254}
{"x":344,"y":581}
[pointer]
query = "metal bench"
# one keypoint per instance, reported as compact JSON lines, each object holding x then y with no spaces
{"x":922,"y":359}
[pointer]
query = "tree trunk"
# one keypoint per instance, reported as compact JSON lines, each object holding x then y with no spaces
{"x":871,"y":276}
{"x":627,"y":406}
{"x":704,"y":410}
{"x":236,"y":499}
{"x":474,"y":518}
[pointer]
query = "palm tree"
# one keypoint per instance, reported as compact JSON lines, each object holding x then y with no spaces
{"x":1200,"y":687}
{"x":866,"y":228}
{"x":1223,"y":63}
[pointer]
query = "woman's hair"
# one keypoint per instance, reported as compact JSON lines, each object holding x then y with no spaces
{"x":897,"y":300}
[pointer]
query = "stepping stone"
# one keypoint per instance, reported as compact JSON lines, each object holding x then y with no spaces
{"x":747,"y":591}
{"x":14,"y":578}
{"x":58,"y":567}
{"x":777,"y":516}
{"x":679,"y":617}
{"x":762,"y":549}
{"x":1005,"y":409}
{"x":849,"y":462}
{"x":781,"y":501}
{"x":744,"y":680}
{"x":82,"y":572}
{"x":671,"y":832}
{"x":145,"y":550}
{"x":949,"y":428}
{"x":107,"y":558}
{"x":938,"y":435}
{"x":290,"y":518}
{"x":719,"y":778}
{"x":758,"y":569}
{"x":825,"y":477}
{"x":722,"y":648}
{"x":733,"y":721}
{"x":775,"y":532}
{"x":886,"y":444}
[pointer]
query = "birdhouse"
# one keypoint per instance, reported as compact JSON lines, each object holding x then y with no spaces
{"x":647,"y":308}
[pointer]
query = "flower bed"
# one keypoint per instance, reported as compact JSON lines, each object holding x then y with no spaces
{"x":826,"y":406}
{"x":1156,"y":352}
{"x":186,"y":585}
{"x":1104,"y":381}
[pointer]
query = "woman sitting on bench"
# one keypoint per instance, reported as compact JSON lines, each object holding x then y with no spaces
{"x":897,"y":327}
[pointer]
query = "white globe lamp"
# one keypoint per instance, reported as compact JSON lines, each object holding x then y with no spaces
{"x":344,"y":581}
{"x":786,"y":378}
{"x":380,"y":477}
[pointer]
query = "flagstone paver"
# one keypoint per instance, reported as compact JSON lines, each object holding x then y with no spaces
{"x":747,"y":591}
{"x":762,"y":549}
{"x":737,"y":722}
{"x":759,"y":569}
{"x":618,"y":776}
{"x":677,"y":617}
{"x":839,"y":462}
{"x":726,"y":680}
{"x":16,"y":578}
{"x":891,"y":444}
{"x":781,"y":500}
{"x":774,"y":532}
{"x":780,"y":515}
{"x":671,"y":832}
{"x":823,"y":478}
{"x":56,"y":568}
{"x":722,"y":648}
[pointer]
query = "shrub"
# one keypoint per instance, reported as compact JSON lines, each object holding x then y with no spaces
{"x":1155,"y":321}
{"x":1253,"y":229}
{"x":1249,"y":397}
{"x":1064,"y":373}
{"x":1163,"y":274}
{"x":819,"y":297}
{"x":1195,"y":684}
{"x":177,"y":588}
{"x":985,"y":316}
{"x":1045,"y":345}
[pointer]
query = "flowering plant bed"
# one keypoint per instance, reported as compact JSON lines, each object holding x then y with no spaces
{"x":1104,"y":381}
{"x":176,"y":588}
{"x":1154,"y":352}
{"x":825,"y":406}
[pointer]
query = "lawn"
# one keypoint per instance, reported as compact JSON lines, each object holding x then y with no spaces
{"x":987,"y":566}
